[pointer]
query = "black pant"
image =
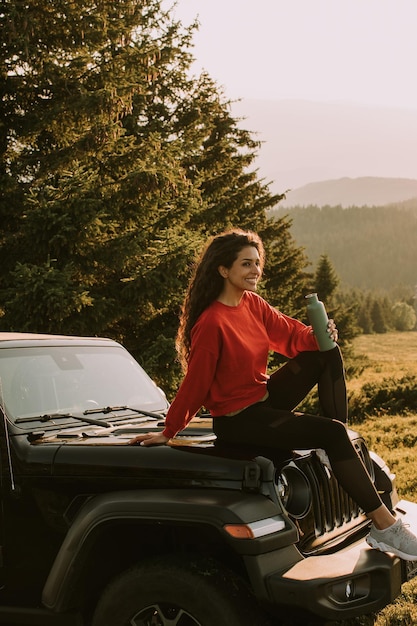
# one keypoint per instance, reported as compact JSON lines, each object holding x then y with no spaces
{"x":273,"y":423}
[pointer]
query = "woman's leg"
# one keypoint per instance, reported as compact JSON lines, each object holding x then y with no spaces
{"x":263,"y":425}
{"x":290,"y":384}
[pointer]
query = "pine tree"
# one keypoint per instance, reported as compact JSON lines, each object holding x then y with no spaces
{"x":365,"y":315}
{"x":379,"y":322}
{"x":93,"y":192}
{"x":326,"y":279}
{"x":115,"y":166}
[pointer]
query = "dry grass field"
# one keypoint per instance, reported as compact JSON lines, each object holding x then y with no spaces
{"x":389,"y":355}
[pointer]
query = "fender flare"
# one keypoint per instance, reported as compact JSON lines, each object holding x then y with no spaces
{"x":199,"y":506}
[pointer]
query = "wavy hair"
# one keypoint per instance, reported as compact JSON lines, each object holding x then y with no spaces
{"x":206,"y":282}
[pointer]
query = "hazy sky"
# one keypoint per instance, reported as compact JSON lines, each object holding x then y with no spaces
{"x":357,"y":51}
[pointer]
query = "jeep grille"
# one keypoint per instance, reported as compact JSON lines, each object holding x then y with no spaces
{"x":334,"y":516}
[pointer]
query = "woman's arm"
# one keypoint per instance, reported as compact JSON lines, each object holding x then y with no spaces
{"x":190,"y":398}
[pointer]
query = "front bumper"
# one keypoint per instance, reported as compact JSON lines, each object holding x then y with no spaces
{"x":351,"y":582}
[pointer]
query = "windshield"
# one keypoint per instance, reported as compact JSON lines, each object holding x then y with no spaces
{"x":72,"y":379}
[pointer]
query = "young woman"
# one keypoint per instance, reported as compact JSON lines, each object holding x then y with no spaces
{"x":226,"y":332}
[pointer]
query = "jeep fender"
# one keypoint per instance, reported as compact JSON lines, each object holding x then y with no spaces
{"x":200,"y":506}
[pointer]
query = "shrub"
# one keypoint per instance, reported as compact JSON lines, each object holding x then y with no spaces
{"x":389,"y":396}
{"x":403,"y":316}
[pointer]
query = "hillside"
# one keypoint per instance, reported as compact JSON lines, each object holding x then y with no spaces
{"x":371,"y":248}
{"x":349,"y":192}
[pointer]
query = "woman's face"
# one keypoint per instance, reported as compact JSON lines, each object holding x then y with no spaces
{"x":245,"y":272}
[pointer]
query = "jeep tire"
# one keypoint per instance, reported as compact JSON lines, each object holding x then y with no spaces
{"x":167,"y":591}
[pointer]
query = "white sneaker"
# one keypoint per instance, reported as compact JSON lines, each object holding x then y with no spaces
{"x":396,"y":539}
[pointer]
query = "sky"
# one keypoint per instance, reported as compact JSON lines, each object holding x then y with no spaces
{"x":357,"y":51}
{"x":328,"y":86}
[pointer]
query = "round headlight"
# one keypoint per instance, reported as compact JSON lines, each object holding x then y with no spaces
{"x":294,"y":491}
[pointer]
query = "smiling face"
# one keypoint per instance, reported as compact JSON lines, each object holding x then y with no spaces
{"x":242,"y":276}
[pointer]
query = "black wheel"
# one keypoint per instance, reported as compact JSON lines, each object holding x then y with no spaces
{"x":171,"y":592}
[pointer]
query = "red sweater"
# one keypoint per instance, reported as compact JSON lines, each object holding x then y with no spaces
{"x":228,"y":357}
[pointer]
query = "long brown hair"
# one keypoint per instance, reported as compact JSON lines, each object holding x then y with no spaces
{"x":206,"y":283}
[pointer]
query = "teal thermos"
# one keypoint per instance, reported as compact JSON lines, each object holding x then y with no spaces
{"x":317,"y":316}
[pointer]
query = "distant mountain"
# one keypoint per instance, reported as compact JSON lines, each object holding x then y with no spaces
{"x":304,"y":141}
{"x":349,"y":192}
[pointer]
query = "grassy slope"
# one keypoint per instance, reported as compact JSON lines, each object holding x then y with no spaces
{"x":391,"y":355}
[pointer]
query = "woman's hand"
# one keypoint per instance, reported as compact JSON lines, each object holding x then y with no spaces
{"x":149,"y":439}
{"x":332,"y":330}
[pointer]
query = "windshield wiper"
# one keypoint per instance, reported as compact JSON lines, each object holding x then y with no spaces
{"x":111,"y":409}
{"x":48,"y":417}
